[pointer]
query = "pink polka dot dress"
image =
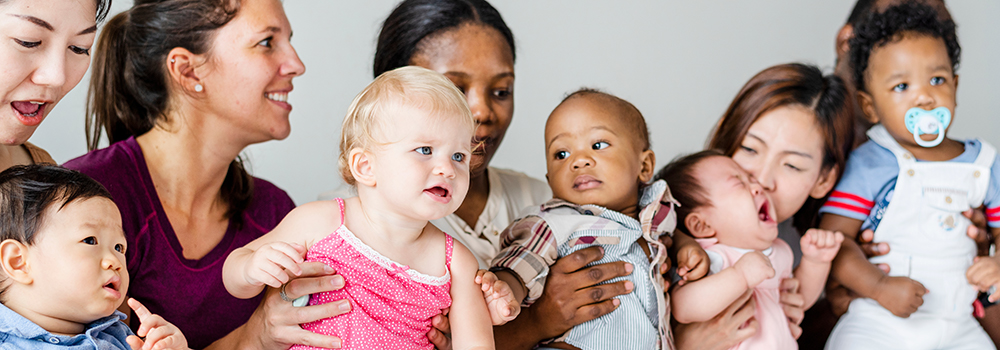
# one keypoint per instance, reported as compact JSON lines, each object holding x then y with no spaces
{"x":391,"y":304}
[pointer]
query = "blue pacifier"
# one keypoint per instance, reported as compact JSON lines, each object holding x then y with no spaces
{"x":923,"y":122}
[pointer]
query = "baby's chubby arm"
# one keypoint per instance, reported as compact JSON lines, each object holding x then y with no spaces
{"x":819,"y":247}
{"x":692,"y":261}
{"x":470,"y":318}
{"x":158,"y":333}
{"x":701,"y":300}
{"x":269,"y":259}
{"x":900,"y":295}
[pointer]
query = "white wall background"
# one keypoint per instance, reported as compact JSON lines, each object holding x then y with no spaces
{"x":679,"y":62}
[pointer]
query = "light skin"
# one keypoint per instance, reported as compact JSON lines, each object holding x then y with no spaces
{"x":480,"y":62}
{"x":44,"y":52}
{"x":741,"y":216}
{"x":592,"y":158}
{"x":914,"y":71}
{"x":390,"y":215}
{"x":74,"y":274}
{"x":783,"y":148}
{"x":251,"y":61}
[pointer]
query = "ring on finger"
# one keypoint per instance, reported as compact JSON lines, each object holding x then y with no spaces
{"x":283,"y":295}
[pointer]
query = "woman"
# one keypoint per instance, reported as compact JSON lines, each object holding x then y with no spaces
{"x":47,"y":57}
{"x":468,"y":42}
{"x":181,"y":87}
{"x":791,"y":128}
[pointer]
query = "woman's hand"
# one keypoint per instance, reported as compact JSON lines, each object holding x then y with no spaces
{"x":793,"y":304}
{"x":275,"y":324}
{"x":571,"y":297}
{"x":723,"y":331}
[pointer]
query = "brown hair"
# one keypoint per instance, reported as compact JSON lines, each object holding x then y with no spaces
{"x":684,"y":186}
{"x":793,"y":84}
{"x":128,"y":87}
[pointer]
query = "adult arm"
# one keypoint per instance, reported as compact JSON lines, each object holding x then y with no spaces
{"x":571,"y":296}
{"x":275,"y":323}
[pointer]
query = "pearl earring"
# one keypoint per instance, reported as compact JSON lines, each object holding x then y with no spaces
{"x":172,"y":60}
{"x":198,"y":88}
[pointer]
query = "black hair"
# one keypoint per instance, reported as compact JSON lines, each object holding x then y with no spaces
{"x":684,"y":186}
{"x":862,"y":9}
{"x":27,"y":190}
{"x":103,"y":7}
{"x":627,"y":112}
{"x":882,"y":28}
{"x":413,"y":20}
{"x":128,"y":85}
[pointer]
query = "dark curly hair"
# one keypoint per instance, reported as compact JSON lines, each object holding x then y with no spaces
{"x":882,"y":28}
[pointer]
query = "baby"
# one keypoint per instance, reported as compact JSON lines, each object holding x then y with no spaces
{"x":731,"y":216}
{"x":599,"y":162}
{"x":405,"y":145}
{"x":910,"y":184}
{"x":62,"y":251}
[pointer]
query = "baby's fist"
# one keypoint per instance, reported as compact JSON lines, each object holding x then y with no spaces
{"x":755,"y":268}
{"x":499,"y":298}
{"x":820,"y":245}
{"x":900,"y":295}
{"x":692,"y":263}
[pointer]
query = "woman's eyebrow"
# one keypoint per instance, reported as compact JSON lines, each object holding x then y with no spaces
{"x":42,"y":23}
{"x":797,"y":153}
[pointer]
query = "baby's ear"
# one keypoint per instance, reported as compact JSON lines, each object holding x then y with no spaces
{"x":647,"y":160}
{"x":361,"y":167}
{"x":868,"y":107}
{"x":14,"y":261}
{"x":697,"y":226}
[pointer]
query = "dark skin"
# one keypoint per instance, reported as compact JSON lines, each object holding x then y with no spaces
{"x":480,"y":63}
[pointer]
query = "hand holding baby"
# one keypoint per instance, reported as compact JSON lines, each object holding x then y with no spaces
{"x":985,"y":273}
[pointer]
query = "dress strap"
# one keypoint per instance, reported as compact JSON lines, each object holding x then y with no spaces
{"x":449,"y":243}
{"x":340,"y":202}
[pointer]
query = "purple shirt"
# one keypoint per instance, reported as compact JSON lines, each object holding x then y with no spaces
{"x":188,"y":293}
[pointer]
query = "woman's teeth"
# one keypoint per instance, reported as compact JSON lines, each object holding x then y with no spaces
{"x":277,"y":96}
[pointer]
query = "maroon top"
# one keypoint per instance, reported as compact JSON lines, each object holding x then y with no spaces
{"x":188,"y":293}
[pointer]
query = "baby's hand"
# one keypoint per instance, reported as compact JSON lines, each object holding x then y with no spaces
{"x":900,"y":295}
{"x":499,"y":298}
{"x":159,"y":334}
{"x":821,"y":245}
{"x":985,"y":273}
{"x":692,"y":263}
{"x":755,"y":268}
{"x":267,"y":265}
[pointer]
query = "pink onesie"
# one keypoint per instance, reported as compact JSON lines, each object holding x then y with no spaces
{"x":391,"y":305}
{"x":773,"y":331}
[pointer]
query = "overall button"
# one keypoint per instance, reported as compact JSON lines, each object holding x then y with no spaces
{"x":947,"y":199}
{"x":910,"y":172}
{"x":975,"y":174}
{"x":907,"y":156}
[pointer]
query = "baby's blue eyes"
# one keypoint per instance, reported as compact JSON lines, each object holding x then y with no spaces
{"x":120,"y":248}
{"x":458,"y":157}
{"x":425,"y":150}
{"x":90,"y":240}
{"x":600,"y":145}
{"x":900,"y":87}
{"x":937,"y":81}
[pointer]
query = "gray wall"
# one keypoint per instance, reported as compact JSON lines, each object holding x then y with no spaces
{"x":679,"y":62}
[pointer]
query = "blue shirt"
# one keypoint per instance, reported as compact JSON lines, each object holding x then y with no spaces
{"x":17,"y":332}
{"x":869,"y":179}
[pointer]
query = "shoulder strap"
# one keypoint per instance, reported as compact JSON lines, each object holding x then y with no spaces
{"x":987,"y":154}
{"x":449,"y":243}
{"x":340,"y":202}
{"x":879,"y":135}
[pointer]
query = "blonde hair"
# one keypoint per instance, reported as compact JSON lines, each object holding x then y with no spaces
{"x":366,"y":122}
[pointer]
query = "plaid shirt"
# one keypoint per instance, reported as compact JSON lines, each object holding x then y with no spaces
{"x":558,"y":228}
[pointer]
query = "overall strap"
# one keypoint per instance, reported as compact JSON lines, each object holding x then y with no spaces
{"x":880,"y":135}
{"x":340,"y":202}
{"x":987,"y":154}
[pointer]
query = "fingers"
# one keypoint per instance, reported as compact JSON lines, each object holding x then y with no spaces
{"x":312,"y":313}
{"x":489,"y":281}
{"x":796,"y":330}
{"x":884,"y":267}
{"x":134,"y":342}
{"x":747,"y":331}
{"x":867,"y":236}
{"x":441,"y":323}
{"x":600,"y":273}
{"x":604,"y":292}
{"x":440,"y":341}
{"x":578,"y":259}
{"x":146,"y":318}
{"x":743,"y":308}
{"x":977,"y":216}
{"x":158,"y":338}
{"x":479,"y":276}
{"x":592,"y":311}
{"x":300,"y":336}
{"x":312,"y":285}
{"x":790,"y":285}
